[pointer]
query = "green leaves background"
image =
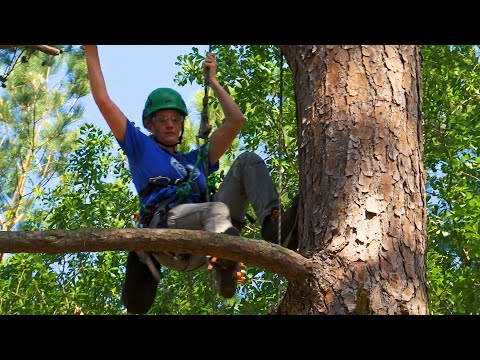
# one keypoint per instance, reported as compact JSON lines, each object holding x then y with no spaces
{"x":94,"y":188}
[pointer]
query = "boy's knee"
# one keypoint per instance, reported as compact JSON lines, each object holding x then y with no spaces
{"x":249,"y":158}
{"x":220,"y":208}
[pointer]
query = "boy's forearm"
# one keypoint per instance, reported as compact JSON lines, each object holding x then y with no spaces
{"x":95,"y":75}
{"x":230,"y":108}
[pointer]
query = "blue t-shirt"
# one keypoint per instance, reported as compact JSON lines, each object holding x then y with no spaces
{"x":148,"y":160}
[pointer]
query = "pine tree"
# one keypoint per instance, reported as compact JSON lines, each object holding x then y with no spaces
{"x":38,"y":106}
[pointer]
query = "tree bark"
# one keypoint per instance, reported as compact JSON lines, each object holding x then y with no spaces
{"x":362,"y":214}
{"x":363,"y":207}
{"x":47,"y":49}
{"x":270,"y":256}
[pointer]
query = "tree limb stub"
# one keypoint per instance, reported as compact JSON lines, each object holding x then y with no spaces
{"x":47,"y":49}
{"x":260,"y":253}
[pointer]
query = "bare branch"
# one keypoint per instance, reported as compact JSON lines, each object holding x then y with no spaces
{"x":260,"y":253}
{"x":47,"y":49}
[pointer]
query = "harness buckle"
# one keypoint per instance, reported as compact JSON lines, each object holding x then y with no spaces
{"x":160,"y":180}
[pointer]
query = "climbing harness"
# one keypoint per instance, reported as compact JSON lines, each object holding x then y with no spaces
{"x":205,"y":129}
{"x":155,"y":215}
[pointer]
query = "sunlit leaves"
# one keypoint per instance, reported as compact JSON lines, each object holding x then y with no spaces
{"x":252,"y":75}
{"x":96,"y":181}
{"x":452,"y":138}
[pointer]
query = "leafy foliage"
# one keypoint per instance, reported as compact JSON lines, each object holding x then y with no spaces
{"x":452,"y":140}
{"x":96,"y":180}
{"x":251,"y":74}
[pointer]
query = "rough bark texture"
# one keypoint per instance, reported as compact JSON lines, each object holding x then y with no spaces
{"x":362,"y":213}
{"x":361,"y":148}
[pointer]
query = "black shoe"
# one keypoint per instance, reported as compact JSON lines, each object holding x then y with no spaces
{"x":140,"y":286}
{"x":289,"y":226}
{"x":227,"y":273}
{"x":238,"y":225}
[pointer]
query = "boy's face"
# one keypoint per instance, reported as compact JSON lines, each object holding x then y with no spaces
{"x":166,"y":126}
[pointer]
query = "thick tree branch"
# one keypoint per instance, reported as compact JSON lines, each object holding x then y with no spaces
{"x":260,"y":253}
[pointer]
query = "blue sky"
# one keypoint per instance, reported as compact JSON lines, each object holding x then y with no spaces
{"x":132,"y":71}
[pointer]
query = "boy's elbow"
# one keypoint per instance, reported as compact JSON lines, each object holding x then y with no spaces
{"x":241,"y":120}
{"x":103,"y":102}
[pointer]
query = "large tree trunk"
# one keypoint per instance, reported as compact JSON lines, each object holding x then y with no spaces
{"x":363,"y":208}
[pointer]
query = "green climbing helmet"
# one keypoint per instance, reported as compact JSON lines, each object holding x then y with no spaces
{"x":163,"y":99}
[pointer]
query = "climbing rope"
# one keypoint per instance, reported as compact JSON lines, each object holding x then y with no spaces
{"x":185,"y":190}
{"x":205,"y":127}
{"x":280,"y":168}
{"x":204,"y":131}
{"x":280,"y":152}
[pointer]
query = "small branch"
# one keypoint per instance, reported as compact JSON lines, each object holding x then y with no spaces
{"x":260,"y":253}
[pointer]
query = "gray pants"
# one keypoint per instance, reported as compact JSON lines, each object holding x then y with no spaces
{"x":247,"y":181}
